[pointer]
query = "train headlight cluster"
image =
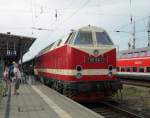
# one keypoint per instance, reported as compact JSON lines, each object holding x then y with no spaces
{"x":110,"y":69}
{"x":79,"y":71}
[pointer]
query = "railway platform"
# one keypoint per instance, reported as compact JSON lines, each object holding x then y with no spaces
{"x":39,"y":101}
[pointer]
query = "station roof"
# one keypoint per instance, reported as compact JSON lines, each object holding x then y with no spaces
{"x":10,"y":43}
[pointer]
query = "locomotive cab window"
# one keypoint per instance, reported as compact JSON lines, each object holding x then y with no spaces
{"x":84,"y":38}
{"x":148,"y":69}
{"x":103,"y":38}
{"x":141,"y":69}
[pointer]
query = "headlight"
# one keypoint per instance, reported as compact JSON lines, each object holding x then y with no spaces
{"x":110,"y":74}
{"x":79,"y":68}
{"x":110,"y":67}
{"x":78,"y":75}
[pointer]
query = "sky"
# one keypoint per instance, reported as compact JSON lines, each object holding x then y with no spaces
{"x":24,"y":17}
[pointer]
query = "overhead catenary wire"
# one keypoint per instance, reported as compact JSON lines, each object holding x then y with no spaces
{"x":75,"y":12}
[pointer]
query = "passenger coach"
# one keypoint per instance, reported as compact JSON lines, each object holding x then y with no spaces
{"x":134,"y":64}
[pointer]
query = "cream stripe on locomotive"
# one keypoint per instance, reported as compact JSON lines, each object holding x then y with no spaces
{"x":74,"y":72}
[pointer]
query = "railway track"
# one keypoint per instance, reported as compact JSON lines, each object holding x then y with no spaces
{"x":136,"y":83}
{"x":109,"y":110}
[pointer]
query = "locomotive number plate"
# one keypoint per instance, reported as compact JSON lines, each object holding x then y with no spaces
{"x":96,"y":59}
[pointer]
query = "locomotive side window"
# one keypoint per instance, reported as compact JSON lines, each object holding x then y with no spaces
{"x":122,"y":69}
{"x":134,"y":69}
{"x":103,"y":38}
{"x":59,"y":42}
{"x":141,"y":69}
{"x":70,"y":38}
{"x":83,"y":38}
{"x":148,"y":69}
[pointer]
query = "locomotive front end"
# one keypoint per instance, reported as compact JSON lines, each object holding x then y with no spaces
{"x":93,"y":60}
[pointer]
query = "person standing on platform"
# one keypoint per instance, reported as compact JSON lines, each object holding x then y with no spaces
{"x":17,"y":78}
{"x":11,"y":72}
{"x":6,"y":81}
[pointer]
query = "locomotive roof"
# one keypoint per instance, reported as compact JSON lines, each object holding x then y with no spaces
{"x":62,"y":41}
{"x":91,"y":28}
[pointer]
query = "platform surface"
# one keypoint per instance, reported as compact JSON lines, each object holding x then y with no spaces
{"x":39,"y":101}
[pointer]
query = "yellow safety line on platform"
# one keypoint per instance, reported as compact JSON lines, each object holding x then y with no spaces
{"x":55,"y":107}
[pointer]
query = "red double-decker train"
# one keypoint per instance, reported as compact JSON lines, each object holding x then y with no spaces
{"x":134,"y":64}
{"x":81,"y":66}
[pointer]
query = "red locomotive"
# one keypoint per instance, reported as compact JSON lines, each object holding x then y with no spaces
{"x":81,"y":66}
{"x":134,"y":64}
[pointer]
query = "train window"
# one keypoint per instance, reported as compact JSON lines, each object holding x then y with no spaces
{"x":117,"y":68}
{"x":54,"y":45}
{"x":148,"y":69}
{"x":135,"y":54}
{"x":122,"y":69}
{"x":83,"y":38}
{"x":103,"y":38}
{"x":120,"y":55}
{"x":70,"y":38}
{"x":142,"y":53}
{"x":148,"y":53}
{"x":59,"y":42}
{"x":124,"y":55}
{"x":141,"y":69}
{"x":128,"y":69}
{"x":134,"y":69}
{"x":130,"y":55}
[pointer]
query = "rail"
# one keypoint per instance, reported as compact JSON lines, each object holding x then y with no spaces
{"x":111,"y":110}
{"x":136,"y":83}
{"x":122,"y":111}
